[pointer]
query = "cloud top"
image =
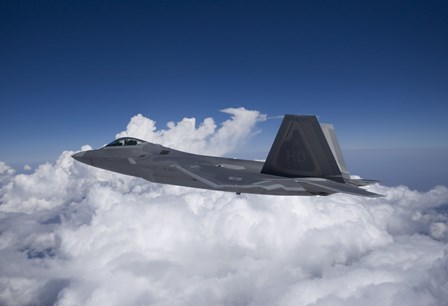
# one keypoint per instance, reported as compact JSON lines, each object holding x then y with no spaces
{"x":206,"y":138}
{"x":76,"y":235}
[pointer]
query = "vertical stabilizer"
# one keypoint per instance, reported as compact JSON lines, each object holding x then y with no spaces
{"x":332,"y":141}
{"x":301,"y":149}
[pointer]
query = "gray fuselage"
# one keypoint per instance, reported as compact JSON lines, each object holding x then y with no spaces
{"x":164,"y":165}
{"x":305,"y":159}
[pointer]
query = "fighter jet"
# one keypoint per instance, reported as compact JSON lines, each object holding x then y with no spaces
{"x":304,"y":160}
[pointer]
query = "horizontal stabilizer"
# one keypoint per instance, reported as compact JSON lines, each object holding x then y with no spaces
{"x":361,"y":182}
{"x":322,"y":187}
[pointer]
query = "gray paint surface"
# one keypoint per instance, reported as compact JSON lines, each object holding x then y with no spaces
{"x":302,"y":161}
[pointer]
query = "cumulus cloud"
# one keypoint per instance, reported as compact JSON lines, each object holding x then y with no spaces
{"x":76,"y":235}
{"x":204,"y":139}
{"x":6,"y":172}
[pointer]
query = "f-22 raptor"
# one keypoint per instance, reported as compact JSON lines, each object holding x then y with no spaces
{"x":304,"y":160}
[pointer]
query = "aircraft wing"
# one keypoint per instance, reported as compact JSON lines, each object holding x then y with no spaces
{"x":287,"y":186}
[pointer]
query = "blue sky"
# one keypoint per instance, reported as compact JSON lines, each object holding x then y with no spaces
{"x":75,"y":72}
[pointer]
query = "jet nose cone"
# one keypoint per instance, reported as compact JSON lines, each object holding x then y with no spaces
{"x":79,"y":157}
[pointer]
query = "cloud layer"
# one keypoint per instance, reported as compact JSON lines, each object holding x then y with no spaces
{"x":76,"y":235}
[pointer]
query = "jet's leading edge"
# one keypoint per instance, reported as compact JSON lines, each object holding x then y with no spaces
{"x":304,"y":160}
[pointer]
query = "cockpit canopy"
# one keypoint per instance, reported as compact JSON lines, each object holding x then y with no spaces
{"x":125,"y":141}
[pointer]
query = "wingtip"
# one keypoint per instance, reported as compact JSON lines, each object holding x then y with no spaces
{"x":375,"y":195}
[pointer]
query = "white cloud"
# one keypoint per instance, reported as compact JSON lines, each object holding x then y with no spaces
{"x":6,"y":172}
{"x":76,"y":235}
{"x":204,"y":139}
